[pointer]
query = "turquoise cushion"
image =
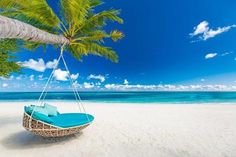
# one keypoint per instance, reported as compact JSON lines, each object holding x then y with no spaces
{"x":28,"y":109}
{"x":71,"y":119}
{"x":39,"y":109}
{"x":52,"y":110}
{"x":42,"y":117}
{"x":39,"y":113}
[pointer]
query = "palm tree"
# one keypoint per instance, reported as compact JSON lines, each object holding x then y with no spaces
{"x":32,"y":23}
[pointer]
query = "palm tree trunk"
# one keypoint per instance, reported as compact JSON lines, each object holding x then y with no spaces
{"x":15,"y":29}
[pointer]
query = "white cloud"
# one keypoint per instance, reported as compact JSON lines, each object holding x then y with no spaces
{"x":51,"y":64}
{"x":226,"y":53}
{"x":98,"y":84}
{"x":126,"y":82}
{"x":34,"y":85}
{"x":200,"y":28}
{"x":60,"y":75}
{"x":7,"y":78}
{"x":4,"y":85}
{"x":76,"y":84}
{"x":74,"y":76}
{"x":31,"y":77}
{"x":210,"y":55}
{"x":204,"y":32}
{"x":19,"y":77}
{"x":168,"y":87}
{"x":39,"y":65}
{"x":88,"y":85}
{"x":3,"y":78}
{"x":212,"y":33}
{"x":98,"y":77}
{"x":35,"y":65}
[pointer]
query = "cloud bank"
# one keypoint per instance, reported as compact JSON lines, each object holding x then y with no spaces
{"x":124,"y":86}
{"x":169,"y":87}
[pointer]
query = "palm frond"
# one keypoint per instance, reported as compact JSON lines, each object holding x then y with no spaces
{"x":94,"y":3}
{"x":7,"y":64}
{"x":78,"y":50}
{"x":116,"y":35}
{"x":32,"y":46}
{"x":34,"y":12}
{"x":100,"y":19}
{"x":79,"y":23}
{"x":97,"y":35}
{"x":81,"y":49}
{"x":103,"y":51}
{"x":74,"y":13}
{"x":9,"y":45}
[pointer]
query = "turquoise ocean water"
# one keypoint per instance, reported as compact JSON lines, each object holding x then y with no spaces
{"x":127,"y":97}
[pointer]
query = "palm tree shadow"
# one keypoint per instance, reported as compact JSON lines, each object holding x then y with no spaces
{"x":26,"y":140}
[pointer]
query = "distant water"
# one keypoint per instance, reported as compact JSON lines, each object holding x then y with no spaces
{"x":128,"y":97}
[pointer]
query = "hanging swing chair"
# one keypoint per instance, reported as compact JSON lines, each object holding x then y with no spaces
{"x":45,"y":120}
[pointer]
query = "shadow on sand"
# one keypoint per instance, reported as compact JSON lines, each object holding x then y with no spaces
{"x":9,"y":120}
{"x":26,"y":140}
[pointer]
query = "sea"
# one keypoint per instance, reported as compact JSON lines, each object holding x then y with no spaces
{"x":127,"y":97}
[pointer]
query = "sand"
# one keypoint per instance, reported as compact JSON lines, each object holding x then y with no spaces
{"x":129,"y":130}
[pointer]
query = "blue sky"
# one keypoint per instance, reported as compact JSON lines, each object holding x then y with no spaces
{"x":168,"y":45}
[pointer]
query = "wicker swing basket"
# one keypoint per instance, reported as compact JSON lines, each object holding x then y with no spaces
{"x":46,"y":130}
{"x":41,"y":128}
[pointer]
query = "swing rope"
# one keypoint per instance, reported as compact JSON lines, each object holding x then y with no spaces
{"x":45,"y":89}
{"x":79,"y":103}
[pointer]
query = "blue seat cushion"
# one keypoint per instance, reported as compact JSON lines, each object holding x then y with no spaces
{"x":52,"y":110}
{"x":71,"y":119}
{"x":39,"y":113}
{"x":42,"y":117}
{"x":61,"y":120}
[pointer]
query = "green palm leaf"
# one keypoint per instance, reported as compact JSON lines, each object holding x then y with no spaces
{"x":100,"y":19}
{"x":74,"y":13}
{"x":79,"y":22}
{"x":81,"y":49}
{"x":7,"y":63}
{"x":34,"y":12}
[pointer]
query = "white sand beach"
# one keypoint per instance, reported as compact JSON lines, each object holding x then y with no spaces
{"x":129,"y":130}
